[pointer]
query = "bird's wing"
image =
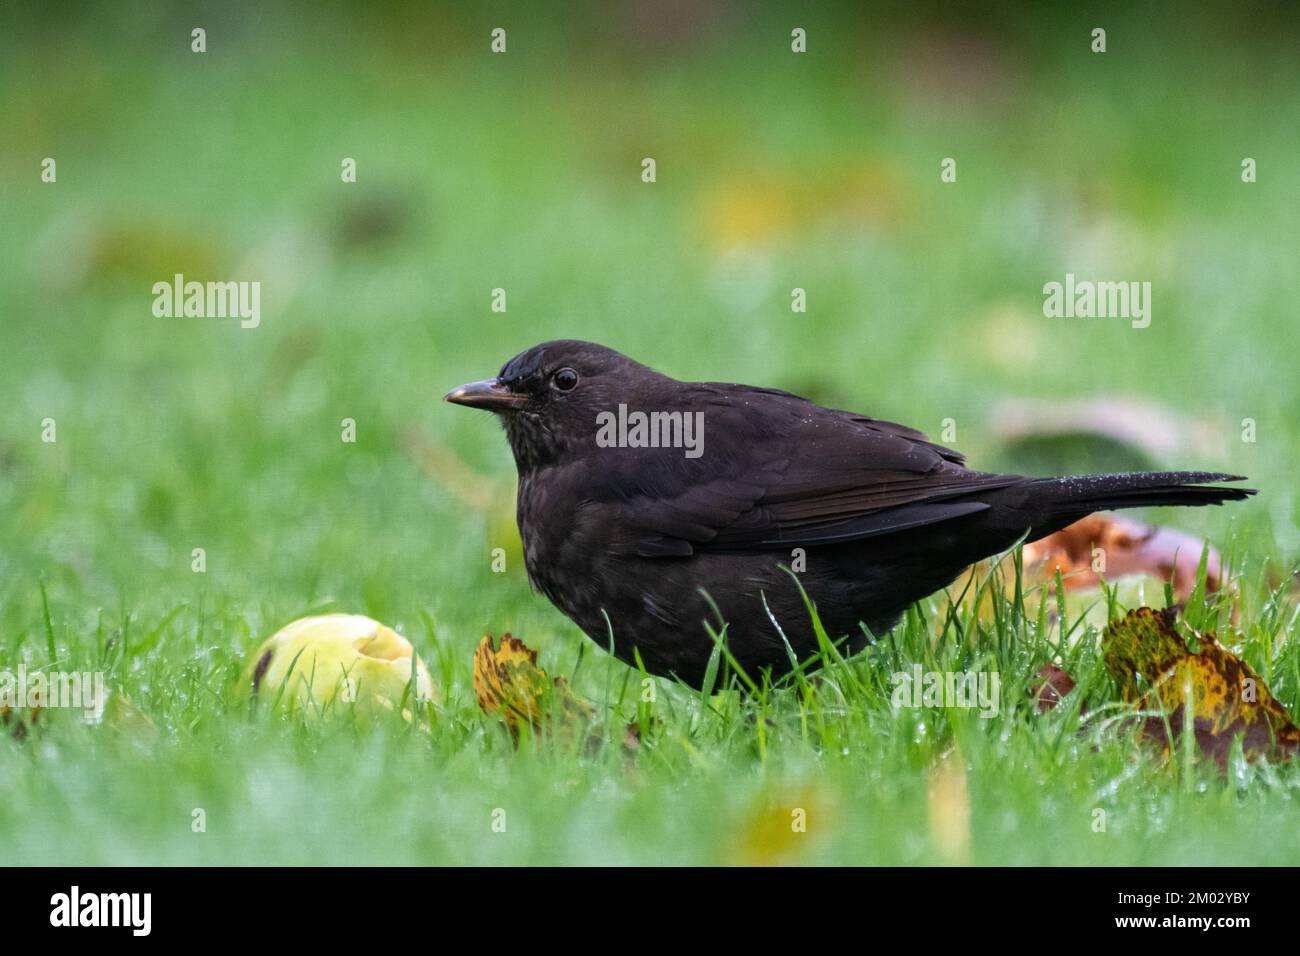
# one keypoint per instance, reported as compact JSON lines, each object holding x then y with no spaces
{"x":776,"y":471}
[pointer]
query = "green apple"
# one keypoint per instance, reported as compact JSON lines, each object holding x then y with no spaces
{"x":338,"y":663}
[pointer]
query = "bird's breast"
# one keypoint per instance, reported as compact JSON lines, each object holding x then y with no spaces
{"x":547,"y":517}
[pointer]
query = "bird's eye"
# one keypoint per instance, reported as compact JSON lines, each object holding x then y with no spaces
{"x":565,"y":379}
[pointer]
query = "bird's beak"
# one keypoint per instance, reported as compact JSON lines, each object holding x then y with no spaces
{"x":491,"y":394}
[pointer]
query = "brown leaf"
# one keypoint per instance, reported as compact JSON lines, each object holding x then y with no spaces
{"x":1225,"y":696}
{"x":1135,"y":558}
{"x":1055,"y":684}
{"x":1127,"y":547}
{"x":19,"y":721}
{"x":508,"y":682}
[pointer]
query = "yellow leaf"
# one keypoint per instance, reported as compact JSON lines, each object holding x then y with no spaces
{"x":509,"y":683}
{"x":778,"y":831}
{"x":948,"y":809}
{"x":1227,"y":698}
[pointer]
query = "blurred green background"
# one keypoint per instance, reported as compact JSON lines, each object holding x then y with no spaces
{"x":522,"y":171}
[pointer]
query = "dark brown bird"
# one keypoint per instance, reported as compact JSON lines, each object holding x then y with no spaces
{"x":649,"y":506}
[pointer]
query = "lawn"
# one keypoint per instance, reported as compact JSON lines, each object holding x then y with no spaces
{"x":522,"y":172}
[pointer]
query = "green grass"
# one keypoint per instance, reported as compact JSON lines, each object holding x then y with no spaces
{"x":522,"y":172}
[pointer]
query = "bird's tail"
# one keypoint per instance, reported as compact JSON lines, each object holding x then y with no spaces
{"x":1083,"y":494}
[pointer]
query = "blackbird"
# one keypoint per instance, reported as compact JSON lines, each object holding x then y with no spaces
{"x":649,"y":506}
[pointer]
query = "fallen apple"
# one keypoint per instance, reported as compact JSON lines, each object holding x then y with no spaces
{"x":336,"y":663}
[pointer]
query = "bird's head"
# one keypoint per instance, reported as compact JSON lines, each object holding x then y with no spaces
{"x":549,"y":397}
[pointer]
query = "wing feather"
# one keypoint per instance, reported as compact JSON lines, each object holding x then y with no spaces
{"x":780,"y":472}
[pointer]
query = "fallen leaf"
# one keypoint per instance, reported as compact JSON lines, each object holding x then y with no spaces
{"x":779,"y":830}
{"x":19,"y":721}
{"x":1135,"y":559}
{"x":1054,"y":684}
{"x":1149,"y":431}
{"x":509,"y":683}
{"x":1111,"y":547}
{"x":1226,"y":697}
{"x":948,"y":809}
{"x":631,"y":737}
